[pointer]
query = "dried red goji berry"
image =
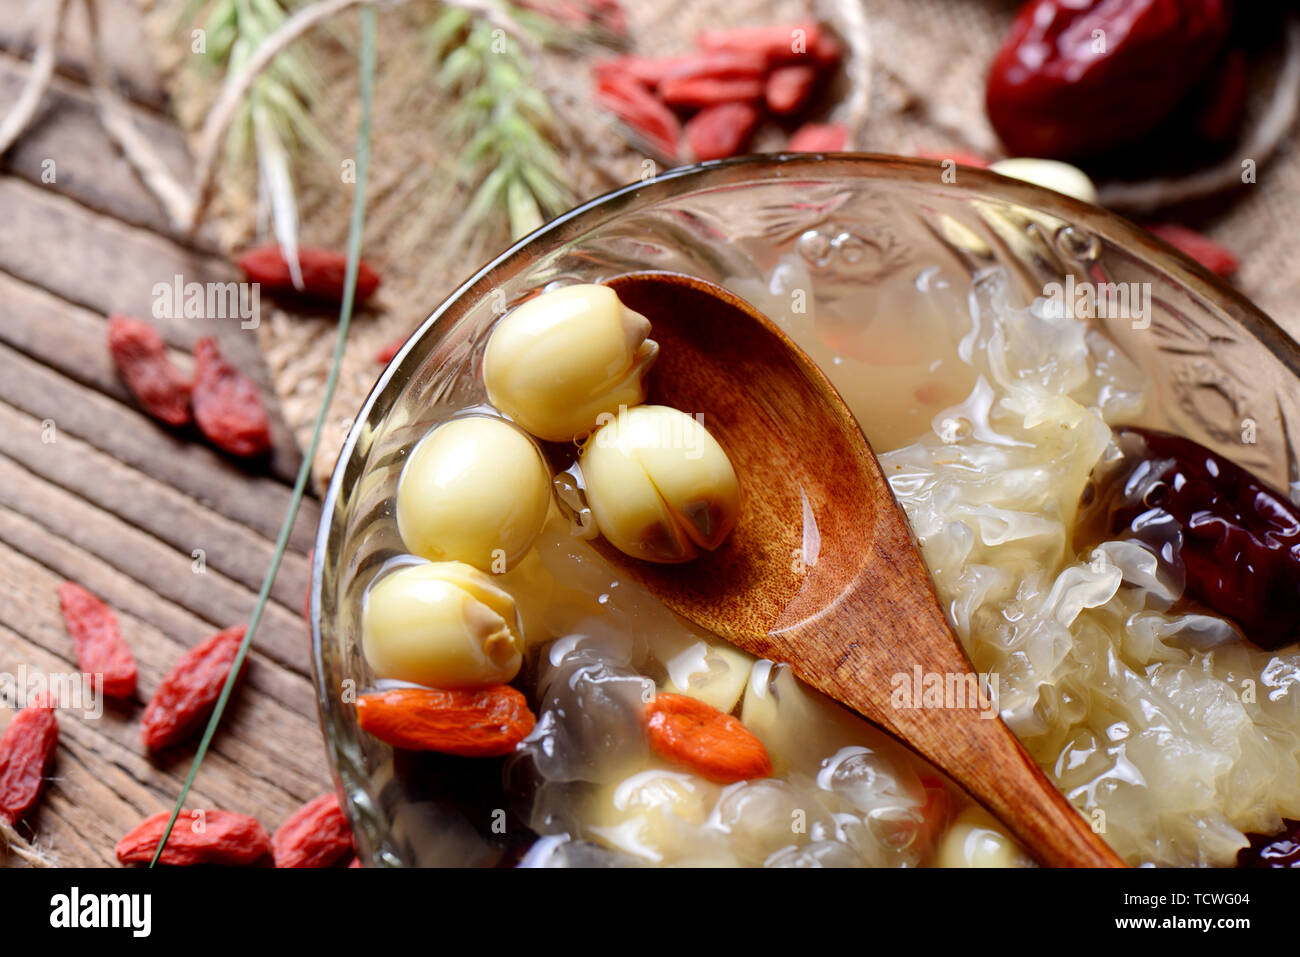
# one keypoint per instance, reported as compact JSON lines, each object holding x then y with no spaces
{"x":26,"y":752}
{"x":936,"y":812}
{"x":227,"y":406}
{"x":141,"y":357}
{"x":385,"y":355}
{"x":1205,"y":251}
{"x":648,"y":71}
{"x":638,"y":108}
{"x":306,"y":595}
{"x":710,"y":742}
{"x":101,"y":650}
{"x":788,"y":88}
{"x":721,"y":131}
{"x":486,"y":722}
{"x":220,"y":838}
{"x":826,"y":51}
{"x":719,"y":65}
{"x":702,"y":91}
{"x":323,"y":274}
{"x":315,"y":835}
{"x":186,"y":696}
{"x":606,"y":14}
{"x":818,"y":138}
{"x":777,"y":43}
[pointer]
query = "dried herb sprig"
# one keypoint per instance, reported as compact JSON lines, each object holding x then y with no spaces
{"x":274,"y":118}
{"x":503,"y":125}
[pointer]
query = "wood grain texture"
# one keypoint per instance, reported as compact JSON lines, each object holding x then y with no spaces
{"x":125,"y":47}
{"x":93,"y":490}
{"x":863,"y":608}
{"x":67,"y":147}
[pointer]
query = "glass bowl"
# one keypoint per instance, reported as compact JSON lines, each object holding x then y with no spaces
{"x":863,"y":229}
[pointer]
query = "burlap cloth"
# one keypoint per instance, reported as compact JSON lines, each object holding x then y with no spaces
{"x":915,"y":72}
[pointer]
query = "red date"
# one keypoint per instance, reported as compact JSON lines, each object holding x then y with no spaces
{"x":1237,"y":540}
{"x":1079,"y":78}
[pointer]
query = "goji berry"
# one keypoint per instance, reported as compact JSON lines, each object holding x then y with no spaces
{"x":648,"y":71}
{"x":720,"y":65}
{"x":186,"y":696}
{"x":101,"y":650}
{"x":714,"y":744}
{"x":315,"y":835}
{"x":776,"y":43}
{"x":936,"y":812}
{"x":26,"y":752}
{"x":826,"y":51}
{"x":1205,"y":251}
{"x":606,"y":14}
{"x":306,"y":596}
{"x":470,"y":723}
{"x":721,"y":131}
{"x":323,"y":274}
{"x":220,"y":838}
{"x":637,"y":107}
{"x":818,"y":138}
{"x":788,"y":88}
{"x":227,"y":406}
{"x":385,"y":355}
{"x":141,"y":357}
{"x":702,"y":91}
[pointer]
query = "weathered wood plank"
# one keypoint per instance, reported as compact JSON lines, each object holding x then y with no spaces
{"x":169,"y":573}
{"x":152,"y":506}
{"x":67,"y":148}
{"x":130,"y":436}
{"x":100,"y":264}
{"x":102,"y":784}
{"x":270,"y":734}
{"x":126,"y":50}
{"x":67,"y":338}
{"x":33,"y":563}
{"x":118,"y":502}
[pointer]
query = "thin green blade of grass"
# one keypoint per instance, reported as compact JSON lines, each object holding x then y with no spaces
{"x":304,"y":472}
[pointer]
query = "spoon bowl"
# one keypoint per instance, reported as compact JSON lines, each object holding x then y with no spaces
{"x":821,"y":571}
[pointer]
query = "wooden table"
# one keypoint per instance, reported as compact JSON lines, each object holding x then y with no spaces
{"x":116,"y":502}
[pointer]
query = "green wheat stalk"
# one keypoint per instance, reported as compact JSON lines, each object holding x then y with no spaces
{"x":274,"y":118}
{"x":502,"y":124}
{"x":304,"y":471}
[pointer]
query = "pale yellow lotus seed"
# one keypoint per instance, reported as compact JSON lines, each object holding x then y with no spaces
{"x":441,"y":624}
{"x":659,"y":485}
{"x":475,"y":490}
{"x":564,"y":357}
{"x":975,"y":840}
{"x":1049,"y":174}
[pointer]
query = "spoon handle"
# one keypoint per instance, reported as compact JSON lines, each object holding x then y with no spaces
{"x":969,"y":744}
{"x":887,"y":630}
{"x":985,"y":758}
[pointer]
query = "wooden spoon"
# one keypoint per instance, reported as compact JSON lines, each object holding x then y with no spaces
{"x":851,"y":612}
